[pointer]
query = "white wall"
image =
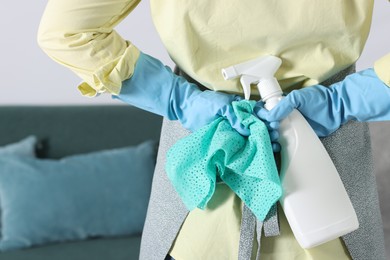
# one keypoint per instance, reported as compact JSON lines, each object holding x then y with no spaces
{"x":28,"y":76}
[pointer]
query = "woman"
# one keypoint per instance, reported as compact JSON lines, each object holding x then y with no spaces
{"x":318,"y":43}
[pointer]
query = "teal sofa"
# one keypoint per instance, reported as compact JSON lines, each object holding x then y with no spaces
{"x":69,"y":130}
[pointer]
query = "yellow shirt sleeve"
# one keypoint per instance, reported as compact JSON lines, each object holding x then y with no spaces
{"x":79,"y":34}
{"x":382,"y":69}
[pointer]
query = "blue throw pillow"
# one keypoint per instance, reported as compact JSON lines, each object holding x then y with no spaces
{"x":25,"y":147}
{"x":92,"y":195}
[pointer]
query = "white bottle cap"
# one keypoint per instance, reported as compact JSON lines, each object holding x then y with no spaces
{"x":268,"y":88}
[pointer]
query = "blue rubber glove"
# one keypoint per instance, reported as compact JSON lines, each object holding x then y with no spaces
{"x":153,"y":87}
{"x":360,"y":96}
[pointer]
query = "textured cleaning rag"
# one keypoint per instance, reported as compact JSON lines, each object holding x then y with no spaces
{"x":245,"y":164}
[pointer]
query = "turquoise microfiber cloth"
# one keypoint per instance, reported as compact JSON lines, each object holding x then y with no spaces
{"x":245,"y":164}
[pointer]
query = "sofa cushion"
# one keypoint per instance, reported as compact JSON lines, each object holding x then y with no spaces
{"x":119,"y":248}
{"x":82,"y":196}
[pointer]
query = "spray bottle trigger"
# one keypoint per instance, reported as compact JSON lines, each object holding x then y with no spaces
{"x":246,"y":82}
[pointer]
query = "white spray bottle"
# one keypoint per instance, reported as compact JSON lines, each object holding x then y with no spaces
{"x":314,"y":199}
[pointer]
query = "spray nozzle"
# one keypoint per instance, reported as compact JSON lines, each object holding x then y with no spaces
{"x":258,"y":71}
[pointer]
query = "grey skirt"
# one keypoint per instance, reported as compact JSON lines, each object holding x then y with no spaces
{"x":350,"y":150}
